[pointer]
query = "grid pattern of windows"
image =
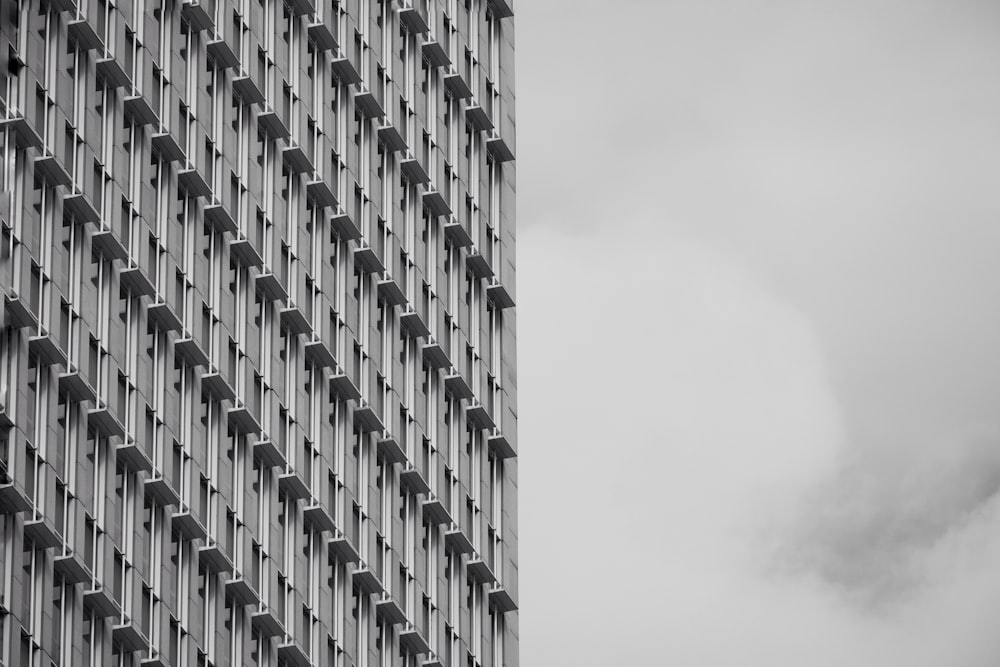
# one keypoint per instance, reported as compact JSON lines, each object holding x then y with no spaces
{"x":257,"y":349}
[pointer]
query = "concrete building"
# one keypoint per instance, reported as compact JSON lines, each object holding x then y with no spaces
{"x":257,"y":349}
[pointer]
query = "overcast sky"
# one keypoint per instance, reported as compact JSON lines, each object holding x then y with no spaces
{"x":759,"y":309}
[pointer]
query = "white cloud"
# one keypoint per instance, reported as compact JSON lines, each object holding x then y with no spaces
{"x":675,"y":417}
{"x":757,"y":295}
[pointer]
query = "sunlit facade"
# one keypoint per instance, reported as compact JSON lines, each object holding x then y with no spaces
{"x":257,"y":357}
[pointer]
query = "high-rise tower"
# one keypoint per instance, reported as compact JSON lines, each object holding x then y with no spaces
{"x":257,"y":350}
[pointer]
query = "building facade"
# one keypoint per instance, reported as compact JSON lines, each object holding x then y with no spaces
{"x":257,"y":351}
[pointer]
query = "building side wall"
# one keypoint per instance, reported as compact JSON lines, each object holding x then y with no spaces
{"x":258,"y":394}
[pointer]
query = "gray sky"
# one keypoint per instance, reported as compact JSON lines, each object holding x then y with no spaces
{"x":759,"y":305}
